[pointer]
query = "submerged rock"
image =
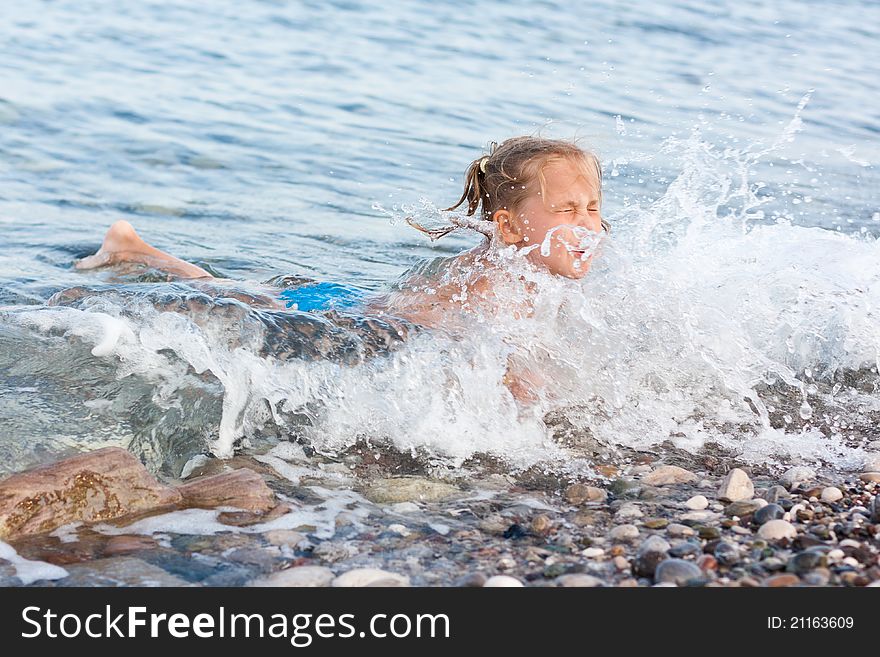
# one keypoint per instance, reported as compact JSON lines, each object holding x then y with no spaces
{"x":242,"y":489}
{"x":370,"y":577}
{"x":409,"y":489}
{"x":96,"y":486}
{"x":301,"y":576}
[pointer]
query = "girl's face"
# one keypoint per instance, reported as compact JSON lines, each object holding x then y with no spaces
{"x":555,"y":222}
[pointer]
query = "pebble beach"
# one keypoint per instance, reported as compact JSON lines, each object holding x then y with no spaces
{"x":283,"y":518}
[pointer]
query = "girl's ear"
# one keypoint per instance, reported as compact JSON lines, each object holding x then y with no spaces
{"x":507,"y":227}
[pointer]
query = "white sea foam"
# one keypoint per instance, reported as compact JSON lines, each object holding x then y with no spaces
{"x":30,"y":571}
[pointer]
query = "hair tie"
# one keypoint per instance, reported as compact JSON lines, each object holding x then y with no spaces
{"x":483,"y":162}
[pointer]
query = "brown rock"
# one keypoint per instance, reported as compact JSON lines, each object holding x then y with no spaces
{"x":782,"y":580}
{"x":669,"y":474}
{"x":581,"y":493}
{"x":96,"y":486}
{"x":245,"y":518}
{"x":119,"y":545}
{"x":242,"y":489}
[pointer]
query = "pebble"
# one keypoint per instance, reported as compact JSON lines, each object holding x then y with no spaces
{"x":624,"y":533}
{"x":669,"y":474}
{"x":592,"y":552}
{"x":656,"y":523}
{"x":741,"y":508}
{"x":870,"y":477}
{"x":707,"y":563}
{"x":768,"y":513}
{"x":677,"y":571}
{"x":685,"y":549}
{"x":708,"y":533}
{"x":775,"y":493}
{"x":804,"y":562}
{"x":301,"y":576}
{"x":736,"y":486}
{"x":831,"y":494}
{"x":284,"y":537}
{"x":782,"y":580}
{"x":579,"y":580}
{"x":472,"y":580}
{"x":620,"y":563}
{"x":797,"y":475}
{"x":654,"y":544}
{"x":360,"y":577}
{"x":578,"y":494}
{"x":775,"y":530}
{"x":503,"y":581}
{"x":541,"y":524}
{"x":726,"y":553}
{"x":629,"y":510}
{"x":409,"y":489}
{"x":677,"y":530}
{"x":697,"y":503}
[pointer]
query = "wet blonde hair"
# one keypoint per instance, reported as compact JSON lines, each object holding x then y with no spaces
{"x":507,"y":175}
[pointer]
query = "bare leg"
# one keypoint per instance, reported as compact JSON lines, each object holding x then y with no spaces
{"x":123,"y":244}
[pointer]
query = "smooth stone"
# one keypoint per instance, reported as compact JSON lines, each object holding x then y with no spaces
{"x":96,"y":486}
{"x":669,"y":474}
{"x":242,"y":489}
{"x":472,"y":580}
{"x":592,"y":552}
{"x":804,"y":562}
{"x":361,"y":577}
{"x":409,"y":489}
{"x":677,"y":571}
{"x":870,"y":477}
{"x":119,"y":545}
{"x":624,"y":533}
{"x":655,"y":523}
{"x":579,"y":580}
{"x":654,"y":544}
{"x":768,"y":513}
{"x":726,"y":553}
{"x":678,"y":530}
{"x":708,"y":533}
{"x":782,"y":580}
{"x":502,"y":581}
{"x":775,"y":530}
{"x":776,"y":493}
{"x":818,"y":577}
{"x":119,"y":571}
{"x":797,"y":475}
{"x":685,"y":549}
{"x":698,"y":516}
{"x":578,"y":494}
{"x":284,"y":537}
{"x":736,"y":486}
{"x":831,"y":494}
{"x":300,"y":576}
{"x":741,"y":508}
{"x":405,"y":507}
{"x":697,"y":503}
{"x":629,"y":510}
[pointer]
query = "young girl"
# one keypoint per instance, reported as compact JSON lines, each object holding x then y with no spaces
{"x":539,"y":198}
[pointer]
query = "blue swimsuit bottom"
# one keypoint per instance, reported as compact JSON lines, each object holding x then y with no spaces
{"x":319,"y":297}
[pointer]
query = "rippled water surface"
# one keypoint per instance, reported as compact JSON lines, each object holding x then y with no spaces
{"x":735,"y":303}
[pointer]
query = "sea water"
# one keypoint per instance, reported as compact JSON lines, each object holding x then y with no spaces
{"x":733,"y":304}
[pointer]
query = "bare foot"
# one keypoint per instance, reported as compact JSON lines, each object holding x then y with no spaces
{"x":121,"y":238}
{"x":123,"y":244}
